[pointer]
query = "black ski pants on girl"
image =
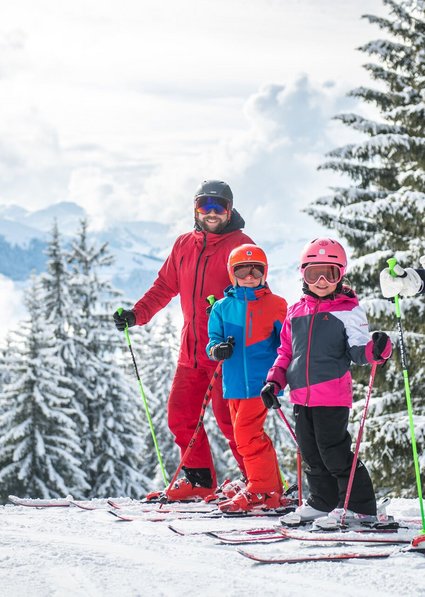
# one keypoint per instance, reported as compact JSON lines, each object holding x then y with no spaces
{"x":325,"y":446}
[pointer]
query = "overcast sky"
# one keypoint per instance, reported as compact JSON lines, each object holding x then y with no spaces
{"x":123,"y":107}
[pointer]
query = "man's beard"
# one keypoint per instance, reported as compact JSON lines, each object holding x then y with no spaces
{"x":217,"y":227}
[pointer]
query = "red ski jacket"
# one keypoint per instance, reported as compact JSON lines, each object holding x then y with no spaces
{"x":195,"y":269}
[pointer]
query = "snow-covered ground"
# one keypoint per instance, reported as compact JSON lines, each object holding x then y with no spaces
{"x":61,"y":552}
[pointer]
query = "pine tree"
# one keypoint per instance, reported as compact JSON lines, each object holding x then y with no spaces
{"x":111,"y":436}
{"x":381,"y":214}
{"x":58,"y":309}
{"x":38,"y":446}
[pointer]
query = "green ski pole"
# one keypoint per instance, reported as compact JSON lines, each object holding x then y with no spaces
{"x":142,"y":393}
{"x":392,"y":263}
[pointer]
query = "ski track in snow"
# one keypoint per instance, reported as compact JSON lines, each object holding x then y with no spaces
{"x":70,"y":552}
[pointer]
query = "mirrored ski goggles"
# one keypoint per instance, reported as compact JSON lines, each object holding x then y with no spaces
{"x":331,"y":272}
{"x":256,"y":270}
{"x":204,"y":205}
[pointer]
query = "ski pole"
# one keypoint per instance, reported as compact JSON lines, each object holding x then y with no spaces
{"x":158,"y":453}
{"x":299,"y":461}
{"x":392,"y":263}
{"x":358,"y":442}
{"x":199,"y":424}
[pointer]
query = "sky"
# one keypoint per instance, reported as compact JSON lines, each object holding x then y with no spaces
{"x":124,"y":108}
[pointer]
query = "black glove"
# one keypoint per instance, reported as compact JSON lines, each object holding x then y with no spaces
{"x":268,"y":395}
{"x":224,"y":350}
{"x":381,"y":346}
{"x":124,"y":319}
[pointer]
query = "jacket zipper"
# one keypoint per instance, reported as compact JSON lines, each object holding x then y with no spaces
{"x":307,"y":365}
{"x":244,"y":347}
{"x":203,"y":277}
{"x":195,"y":363}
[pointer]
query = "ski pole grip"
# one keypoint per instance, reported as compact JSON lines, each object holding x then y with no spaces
{"x":392,"y":262}
{"x":127,"y":335}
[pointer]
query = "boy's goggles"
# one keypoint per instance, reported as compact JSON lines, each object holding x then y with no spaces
{"x":256,"y":270}
{"x":203,"y":205}
{"x":331,"y":272}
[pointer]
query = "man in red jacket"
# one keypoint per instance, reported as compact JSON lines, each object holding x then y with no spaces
{"x":195,"y":269}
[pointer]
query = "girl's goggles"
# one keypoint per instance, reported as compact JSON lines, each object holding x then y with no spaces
{"x":331,"y":272}
{"x":204,"y":205}
{"x":256,"y":270}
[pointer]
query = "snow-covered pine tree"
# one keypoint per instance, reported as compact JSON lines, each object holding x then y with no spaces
{"x":6,"y":357}
{"x":4,"y":363}
{"x":38,"y":445}
{"x":157,"y":346}
{"x":111,"y":438}
{"x":381,"y":214}
{"x":58,"y":308}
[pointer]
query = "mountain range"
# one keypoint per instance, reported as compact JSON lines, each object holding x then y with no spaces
{"x":138,"y":247}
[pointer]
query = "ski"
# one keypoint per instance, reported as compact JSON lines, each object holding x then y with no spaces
{"x":129,"y":517}
{"x":276,"y":535}
{"x":359,"y":535}
{"x":330,"y":557}
{"x":337,"y":557}
{"x":51,"y":503}
{"x":128,"y":502}
{"x":38,"y":503}
{"x":135,"y":508}
{"x":259,"y":531}
{"x":181,"y":513}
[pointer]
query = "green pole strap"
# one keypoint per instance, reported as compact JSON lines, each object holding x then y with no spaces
{"x":392,"y":263}
{"x":145,"y":403}
{"x":211,"y":299}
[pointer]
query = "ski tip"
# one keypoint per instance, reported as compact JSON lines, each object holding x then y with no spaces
{"x":121,"y":517}
{"x":418,"y":543}
{"x":177,"y":531}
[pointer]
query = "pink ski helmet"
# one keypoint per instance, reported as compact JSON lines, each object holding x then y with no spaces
{"x":324,"y":250}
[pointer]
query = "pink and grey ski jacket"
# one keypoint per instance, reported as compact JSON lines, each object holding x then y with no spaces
{"x":319,"y":340}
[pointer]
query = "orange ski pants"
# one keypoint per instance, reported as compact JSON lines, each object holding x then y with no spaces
{"x":254,"y":445}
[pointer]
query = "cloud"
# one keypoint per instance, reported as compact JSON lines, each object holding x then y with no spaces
{"x":32,"y":168}
{"x":270,"y":161}
{"x":271,"y":165}
{"x":13,"y":58}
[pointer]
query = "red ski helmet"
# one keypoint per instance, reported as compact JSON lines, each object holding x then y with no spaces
{"x":324,"y":250}
{"x":246,"y":254}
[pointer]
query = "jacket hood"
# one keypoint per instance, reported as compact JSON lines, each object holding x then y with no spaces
{"x":236,"y":222}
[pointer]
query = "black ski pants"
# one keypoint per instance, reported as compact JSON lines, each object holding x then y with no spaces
{"x":325,"y":446}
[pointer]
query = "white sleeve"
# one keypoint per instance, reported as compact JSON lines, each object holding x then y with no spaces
{"x":357,"y":330}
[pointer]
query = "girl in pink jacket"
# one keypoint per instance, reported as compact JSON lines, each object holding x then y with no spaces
{"x":321,"y":336}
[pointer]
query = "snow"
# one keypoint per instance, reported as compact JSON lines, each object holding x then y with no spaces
{"x":61,"y":552}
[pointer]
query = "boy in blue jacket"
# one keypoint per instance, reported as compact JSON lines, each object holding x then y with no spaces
{"x":252,"y":316}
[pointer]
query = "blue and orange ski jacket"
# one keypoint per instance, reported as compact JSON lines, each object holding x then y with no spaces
{"x":253,"y":316}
